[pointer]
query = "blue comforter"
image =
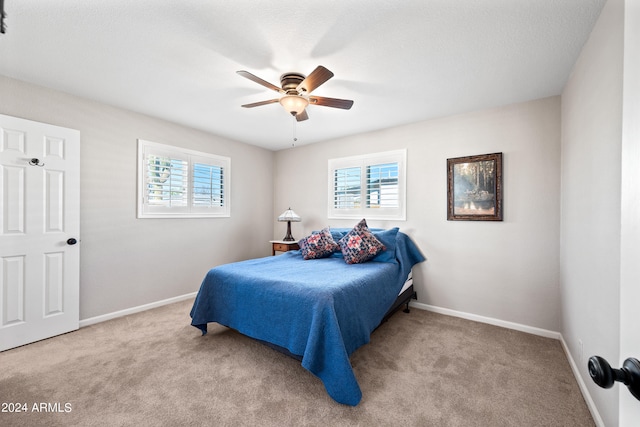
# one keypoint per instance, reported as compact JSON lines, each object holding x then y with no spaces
{"x":322,"y":310}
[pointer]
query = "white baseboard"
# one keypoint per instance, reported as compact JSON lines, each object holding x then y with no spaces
{"x":531,"y":330}
{"x":583,"y":387}
{"x":489,"y":320}
{"x":132,"y":310}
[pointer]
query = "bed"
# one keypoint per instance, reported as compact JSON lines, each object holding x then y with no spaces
{"x":319,"y":310}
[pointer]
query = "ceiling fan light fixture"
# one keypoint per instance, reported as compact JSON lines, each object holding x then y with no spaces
{"x":294,"y":104}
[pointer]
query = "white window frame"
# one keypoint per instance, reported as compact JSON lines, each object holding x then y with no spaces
{"x":362,"y":162}
{"x":191,"y":157}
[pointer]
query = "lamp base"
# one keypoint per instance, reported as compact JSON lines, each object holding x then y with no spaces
{"x":289,"y":236}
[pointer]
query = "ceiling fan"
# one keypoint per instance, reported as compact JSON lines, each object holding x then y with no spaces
{"x":296,"y":89}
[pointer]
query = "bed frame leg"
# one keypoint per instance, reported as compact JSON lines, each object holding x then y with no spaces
{"x":406,"y":309}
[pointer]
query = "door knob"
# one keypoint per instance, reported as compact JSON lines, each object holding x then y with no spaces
{"x":71,"y":241}
{"x":602,"y":374}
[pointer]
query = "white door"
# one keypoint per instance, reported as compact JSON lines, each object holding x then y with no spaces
{"x":630,"y":253}
{"x":39,"y":220}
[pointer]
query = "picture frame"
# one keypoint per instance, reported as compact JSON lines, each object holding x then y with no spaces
{"x":474,"y":188}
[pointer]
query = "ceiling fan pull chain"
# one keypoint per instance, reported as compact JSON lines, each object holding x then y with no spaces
{"x":295,"y":138}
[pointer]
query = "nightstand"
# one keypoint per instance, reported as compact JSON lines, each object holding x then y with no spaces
{"x":282,"y":246}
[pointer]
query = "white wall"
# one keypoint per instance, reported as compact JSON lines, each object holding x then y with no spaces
{"x":127,"y":262}
{"x":591,"y":196}
{"x":504,"y":270}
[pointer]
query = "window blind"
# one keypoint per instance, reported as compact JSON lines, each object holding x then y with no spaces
{"x":166,"y":181}
{"x":382,"y":186}
{"x":346,"y":188}
{"x":208,"y":185}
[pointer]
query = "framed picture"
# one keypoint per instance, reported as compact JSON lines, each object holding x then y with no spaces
{"x":474,"y":190}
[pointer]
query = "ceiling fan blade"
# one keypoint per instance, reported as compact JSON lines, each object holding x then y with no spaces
{"x":258,"y":80}
{"x":257,"y":104}
{"x":331,"y":102}
{"x":302,"y":116}
{"x":315,"y":79}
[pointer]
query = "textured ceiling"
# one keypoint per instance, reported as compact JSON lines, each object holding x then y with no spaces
{"x":401,"y":62}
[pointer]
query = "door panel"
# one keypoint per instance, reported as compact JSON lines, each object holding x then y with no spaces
{"x":54,"y":283}
{"x":54,"y":197}
{"x":13,"y":199}
{"x":13,"y":290}
{"x":39,"y":211}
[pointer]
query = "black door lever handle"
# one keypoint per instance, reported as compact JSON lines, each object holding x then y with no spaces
{"x":605,"y":376}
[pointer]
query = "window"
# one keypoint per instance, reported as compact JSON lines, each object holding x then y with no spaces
{"x":177,"y":183}
{"x":368,"y":186}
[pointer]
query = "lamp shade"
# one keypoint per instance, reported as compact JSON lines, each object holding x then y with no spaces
{"x":289,"y":215}
{"x":294,"y":104}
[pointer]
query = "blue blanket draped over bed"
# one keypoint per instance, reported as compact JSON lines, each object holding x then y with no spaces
{"x":322,"y":310}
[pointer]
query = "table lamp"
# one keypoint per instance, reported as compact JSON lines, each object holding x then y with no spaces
{"x":289,"y":216}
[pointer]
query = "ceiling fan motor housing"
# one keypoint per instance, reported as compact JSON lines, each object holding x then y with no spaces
{"x":290,"y":82}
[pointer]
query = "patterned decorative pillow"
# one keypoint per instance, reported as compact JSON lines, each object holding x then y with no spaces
{"x":318,"y":245}
{"x":360,"y":245}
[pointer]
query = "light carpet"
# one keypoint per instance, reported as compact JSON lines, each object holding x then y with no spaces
{"x":420,"y":369}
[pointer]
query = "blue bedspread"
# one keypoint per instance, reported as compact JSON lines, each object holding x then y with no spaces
{"x":322,"y":310}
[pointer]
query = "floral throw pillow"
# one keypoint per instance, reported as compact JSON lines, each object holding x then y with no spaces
{"x":318,"y":245}
{"x":360,"y":245}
